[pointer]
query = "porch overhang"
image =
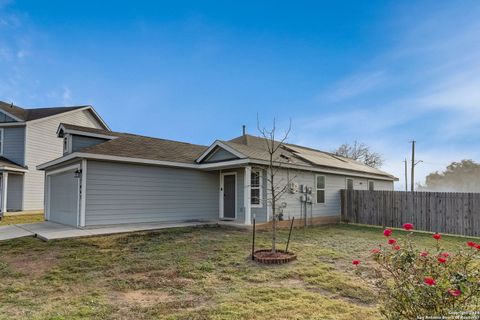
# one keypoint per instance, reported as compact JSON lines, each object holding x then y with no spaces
{"x":12,"y":169}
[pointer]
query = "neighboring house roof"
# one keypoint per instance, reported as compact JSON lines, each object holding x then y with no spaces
{"x":22,"y":114}
{"x":6,"y":164}
{"x":247,"y":148}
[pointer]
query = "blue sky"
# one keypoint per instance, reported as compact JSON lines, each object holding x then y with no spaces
{"x":382,"y":72}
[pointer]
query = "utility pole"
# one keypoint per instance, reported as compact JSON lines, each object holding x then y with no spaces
{"x":412,"y":178}
{"x":406,"y":174}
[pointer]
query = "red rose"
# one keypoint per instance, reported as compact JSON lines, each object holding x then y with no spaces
{"x":392,"y":241}
{"x":454,"y":293}
{"x":376,"y":251}
{"x":436,"y":236}
{"x":442,"y":260}
{"x":356,"y":262}
{"x":387,"y":232}
{"x":471,"y":244}
{"x":396,"y":248}
{"x":408,"y":226}
{"x":445,"y":254}
{"x":477,"y":246}
{"x":429,"y":281}
{"x":424,"y":254}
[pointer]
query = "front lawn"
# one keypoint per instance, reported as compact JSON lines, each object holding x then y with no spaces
{"x":21,"y":218}
{"x":190,"y":273}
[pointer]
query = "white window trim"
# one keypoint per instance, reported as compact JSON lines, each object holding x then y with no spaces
{"x":2,"y":139}
{"x":346,"y":183}
{"x":324,"y":189}
{"x":368,"y":185}
{"x":260,"y":188}
{"x":68,"y":147}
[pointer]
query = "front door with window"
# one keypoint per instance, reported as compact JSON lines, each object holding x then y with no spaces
{"x":229,"y":196}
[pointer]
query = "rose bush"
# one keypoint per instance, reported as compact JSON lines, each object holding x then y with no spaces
{"x":416,"y":284}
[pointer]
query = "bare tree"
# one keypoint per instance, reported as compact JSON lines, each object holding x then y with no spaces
{"x":276,"y":162}
{"x":361,"y":152}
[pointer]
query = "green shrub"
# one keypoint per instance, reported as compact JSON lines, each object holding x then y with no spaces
{"x":416,"y":284}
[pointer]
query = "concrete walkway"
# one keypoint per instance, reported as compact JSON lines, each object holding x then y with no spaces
{"x":50,"y":230}
{"x":13,"y":232}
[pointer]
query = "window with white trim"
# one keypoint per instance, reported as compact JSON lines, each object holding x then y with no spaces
{"x":256,"y":188}
{"x":371,"y":185}
{"x":320,"y":188}
{"x":66,"y":144}
{"x":1,"y":141}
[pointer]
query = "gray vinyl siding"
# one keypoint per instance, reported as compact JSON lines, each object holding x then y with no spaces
{"x":333,"y":185}
{"x":14,"y":192}
{"x":14,"y":144}
{"x":128,"y":193}
{"x":220,"y":155}
{"x":80,"y":142}
{"x":42,"y":146}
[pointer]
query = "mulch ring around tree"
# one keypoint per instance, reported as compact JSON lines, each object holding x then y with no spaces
{"x":266,"y":256}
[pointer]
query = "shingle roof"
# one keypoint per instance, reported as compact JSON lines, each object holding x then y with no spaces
{"x":36,"y":113}
{"x":141,"y":147}
{"x":136,"y":146}
{"x":256,"y":147}
{"x":4,"y":162}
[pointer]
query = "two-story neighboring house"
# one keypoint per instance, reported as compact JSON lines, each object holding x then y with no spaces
{"x":28,"y":137}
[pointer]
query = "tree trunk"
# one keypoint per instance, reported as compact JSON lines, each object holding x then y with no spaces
{"x":274,"y":215}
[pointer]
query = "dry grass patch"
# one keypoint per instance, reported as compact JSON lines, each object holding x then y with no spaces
{"x":32,"y":264}
{"x":22,"y":218}
{"x":189,"y":273}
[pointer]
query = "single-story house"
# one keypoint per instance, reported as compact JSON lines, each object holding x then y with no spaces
{"x":109,"y":178}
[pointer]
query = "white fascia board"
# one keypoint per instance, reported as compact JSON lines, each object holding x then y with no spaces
{"x":12,"y":124}
{"x":84,"y":133}
{"x":222,"y":145}
{"x":206,"y":166}
{"x":7,"y":168}
{"x":99,"y":118}
{"x":116,"y":159}
{"x":321,"y":170}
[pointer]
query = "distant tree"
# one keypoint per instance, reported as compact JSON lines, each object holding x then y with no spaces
{"x":463,"y":176}
{"x":361,"y":152}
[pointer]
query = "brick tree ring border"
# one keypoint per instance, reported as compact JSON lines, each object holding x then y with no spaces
{"x":265,"y":256}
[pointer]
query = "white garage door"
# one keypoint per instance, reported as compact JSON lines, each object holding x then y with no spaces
{"x":63,"y":198}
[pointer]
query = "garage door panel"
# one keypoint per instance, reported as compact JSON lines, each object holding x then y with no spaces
{"x":63,"y":206}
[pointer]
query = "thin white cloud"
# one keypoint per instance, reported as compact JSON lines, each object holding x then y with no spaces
{"x":354,"y":85}
{"x":432,"y":76}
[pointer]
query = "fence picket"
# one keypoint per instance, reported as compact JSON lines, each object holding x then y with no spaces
{"x":455,"y":213}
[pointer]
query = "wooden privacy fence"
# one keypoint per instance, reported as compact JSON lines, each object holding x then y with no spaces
{"x":443,"y":212}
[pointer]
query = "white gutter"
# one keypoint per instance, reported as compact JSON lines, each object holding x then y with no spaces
{"x":205,"y":166}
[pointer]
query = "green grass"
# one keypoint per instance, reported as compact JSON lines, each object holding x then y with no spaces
{"x":21,"y":218}
{"x":190,"y":273}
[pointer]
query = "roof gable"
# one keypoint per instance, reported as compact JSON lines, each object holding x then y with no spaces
{"x":219,"y":154}
{"x":23,"y":115}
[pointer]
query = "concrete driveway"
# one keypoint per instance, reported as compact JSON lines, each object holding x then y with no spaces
{"x":13,"y":232}
{"x":49,"y":230}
